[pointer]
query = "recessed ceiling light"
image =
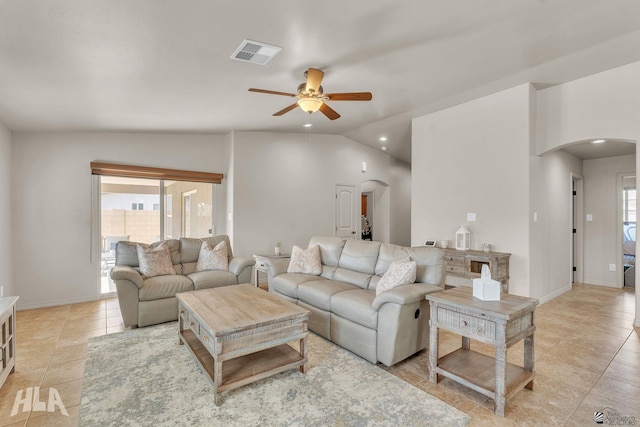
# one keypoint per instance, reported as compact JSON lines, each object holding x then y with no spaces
{"x":383,"y":148}
{"x":307,"y":125}
{"x":383,"y":138}
{"x":598,"y":141}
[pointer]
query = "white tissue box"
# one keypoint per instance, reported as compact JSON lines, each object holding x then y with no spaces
{"x":486,"y":290}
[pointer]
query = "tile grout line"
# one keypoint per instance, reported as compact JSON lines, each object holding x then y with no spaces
{"x":601,"y":373}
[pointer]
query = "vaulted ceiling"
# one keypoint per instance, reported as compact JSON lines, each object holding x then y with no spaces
{"x":164,"y":66}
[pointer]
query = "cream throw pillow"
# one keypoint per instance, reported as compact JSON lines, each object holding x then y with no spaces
{"x":305,"y":260}
{"x":213,"y":258}
{"x":155,"y":261}
{"x":400,"y":272}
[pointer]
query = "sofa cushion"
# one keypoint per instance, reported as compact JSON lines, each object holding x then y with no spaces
{"x":355,"y":305}
{"x":287,"y":283}
{"x":190,"y":247}
{"x":318,"y":293}
{"x":429,"y":263}
{"x":328,"y":271}
{"x":212,"y":279}
{"x":164,"y":287}
{"x":154,"y":261}
{"x":213,"y":258}
{"x":400,"y":273}
{"x":388,"y":254}
{"x":330,"y":249}
{"x":359,"y":255}
{"x":361,"y":280}
{"x":127,"y":253}
{"x":305,"y":261}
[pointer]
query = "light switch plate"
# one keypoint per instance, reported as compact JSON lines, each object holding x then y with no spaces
{"x":589,"y":217}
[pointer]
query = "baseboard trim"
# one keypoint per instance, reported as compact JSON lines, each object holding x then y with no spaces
{"x":54,"y":303}
{"x":606,"y":285}
{"x":555,"y":294}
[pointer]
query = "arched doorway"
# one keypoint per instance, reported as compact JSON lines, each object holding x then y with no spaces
{"x":375,"y":210}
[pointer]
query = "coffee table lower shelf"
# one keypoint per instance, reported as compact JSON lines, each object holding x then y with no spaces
{"x":244,"y":369}
{"x":477,"y":371}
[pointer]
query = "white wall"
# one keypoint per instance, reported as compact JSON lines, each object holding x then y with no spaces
{"x":604,"y":105}
{"x":6,"y":264}
{"x":278,"y":186}
{"x":474,"y":158}
{"x":400,"y":211}
{"x":550,"y":256}
{"x":602,"y":242}
{"x":52,"y":193}
{"x":227,"y":213}
{"x":284,"y":187}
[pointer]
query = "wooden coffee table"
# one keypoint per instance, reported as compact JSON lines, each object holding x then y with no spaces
{"x":239,"y":334}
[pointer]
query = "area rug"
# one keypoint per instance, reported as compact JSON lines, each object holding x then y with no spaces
{"x":143,"y":377}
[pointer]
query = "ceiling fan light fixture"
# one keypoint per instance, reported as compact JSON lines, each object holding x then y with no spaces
{"x":309,"y":104}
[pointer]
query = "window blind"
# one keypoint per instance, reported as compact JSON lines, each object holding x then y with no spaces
{"x":112,"y":169}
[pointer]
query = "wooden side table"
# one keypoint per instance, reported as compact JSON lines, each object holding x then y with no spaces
{"x":7,"y":337}
{"x":499,"y":323}
{"x":262,"y":264}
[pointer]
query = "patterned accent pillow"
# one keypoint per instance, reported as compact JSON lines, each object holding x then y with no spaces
{"x":155,"y":261}
{"x":213,"y":258}
{"x":305,"y":260}
{"x":400,"y":272}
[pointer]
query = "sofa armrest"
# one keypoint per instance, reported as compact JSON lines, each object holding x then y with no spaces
{"x":238,"y":264}
{"x":124,"y":272}
{"x":277,"y":265}
{"x":405,"y":294}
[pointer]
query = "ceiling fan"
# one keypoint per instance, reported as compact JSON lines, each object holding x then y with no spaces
{"x":311,"y":96}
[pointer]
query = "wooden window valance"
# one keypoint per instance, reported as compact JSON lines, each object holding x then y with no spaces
{"x":111,"y":169}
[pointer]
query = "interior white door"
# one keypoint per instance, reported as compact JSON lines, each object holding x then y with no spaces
{"x":346,"y":211}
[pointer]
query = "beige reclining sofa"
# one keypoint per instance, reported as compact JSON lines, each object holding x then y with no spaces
{"x":344,"y":308}
{"x":147,"y":301}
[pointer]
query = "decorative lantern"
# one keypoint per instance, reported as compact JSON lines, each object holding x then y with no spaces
{"x":463,"y":239}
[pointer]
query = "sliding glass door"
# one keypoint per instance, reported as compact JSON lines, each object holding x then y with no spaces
{"x":146,"y":211}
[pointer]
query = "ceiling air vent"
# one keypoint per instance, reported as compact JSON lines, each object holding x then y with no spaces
{"x":255,"y":52}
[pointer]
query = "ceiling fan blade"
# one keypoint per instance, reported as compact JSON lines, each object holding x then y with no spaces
{"x":286,"y":109}
{"x":329,"y":112}
{"x":352,"y":96}
{"x":272,"y":92}
{"x":314,"y":78}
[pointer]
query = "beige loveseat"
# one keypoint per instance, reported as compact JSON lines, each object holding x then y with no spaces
{"x":152,"y":300}
{"x":342,"y":300}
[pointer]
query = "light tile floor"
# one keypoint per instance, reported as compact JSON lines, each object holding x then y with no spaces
{"x":587,"y":357}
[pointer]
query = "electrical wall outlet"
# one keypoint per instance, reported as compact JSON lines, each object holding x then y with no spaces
{"x":612,"y":267}
{"x":1,"y":290}
{"x":471,"y":216}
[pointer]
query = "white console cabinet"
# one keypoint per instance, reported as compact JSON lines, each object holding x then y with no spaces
{"x":7,"y":337}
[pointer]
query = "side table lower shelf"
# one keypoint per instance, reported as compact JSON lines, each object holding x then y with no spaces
{"x":477,"y":371}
